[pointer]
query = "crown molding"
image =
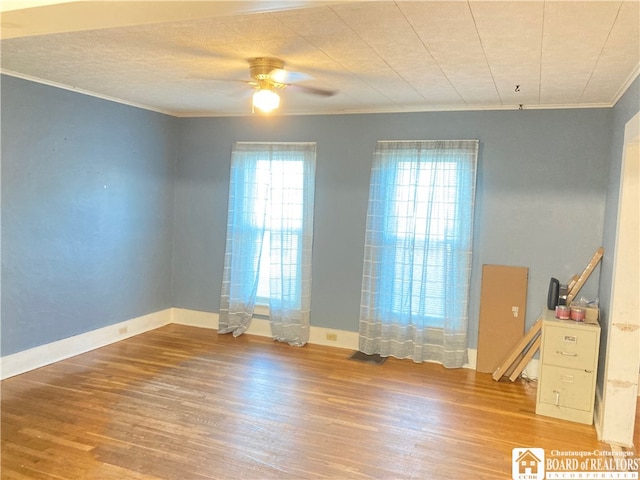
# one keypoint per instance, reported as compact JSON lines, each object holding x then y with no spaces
{"x":408,"y":109}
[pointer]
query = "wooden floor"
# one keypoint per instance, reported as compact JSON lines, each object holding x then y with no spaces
{"x":185,"y":403}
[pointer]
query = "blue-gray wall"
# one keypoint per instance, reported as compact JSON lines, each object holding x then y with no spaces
{"x":77,"y":256}
{"x":87,"y":211}
{"x":625,"y":109}
{"x":542,"y":180}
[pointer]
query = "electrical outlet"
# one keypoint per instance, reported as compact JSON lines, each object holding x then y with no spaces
{"x":515,"y":311}
{"x":332,"y":336}
{"x":122,"y":330}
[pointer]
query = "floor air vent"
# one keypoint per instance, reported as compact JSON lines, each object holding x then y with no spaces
{"x":375,"y":359}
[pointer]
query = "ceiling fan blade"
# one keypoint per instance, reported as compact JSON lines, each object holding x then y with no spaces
{"x":314,"y":91}
{"x":280,"y":75}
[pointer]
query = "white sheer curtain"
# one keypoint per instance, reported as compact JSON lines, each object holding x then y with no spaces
{"x":417,"y":263}
{"x":271,"y":194}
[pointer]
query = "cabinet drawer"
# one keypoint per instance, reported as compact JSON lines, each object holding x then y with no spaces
{"x":564,"y":387}
{"x":570,"y":347}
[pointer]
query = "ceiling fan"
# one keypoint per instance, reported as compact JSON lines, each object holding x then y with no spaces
{"x":269,"y":75}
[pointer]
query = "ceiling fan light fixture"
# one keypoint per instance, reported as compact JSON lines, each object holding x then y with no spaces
{"x":266,"y":100}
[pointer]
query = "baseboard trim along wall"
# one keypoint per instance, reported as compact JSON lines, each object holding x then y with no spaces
{"x":317,"y":335}
{"x":40,"y":356}
{"x":261,"y":327}
{"x":21,"y":362}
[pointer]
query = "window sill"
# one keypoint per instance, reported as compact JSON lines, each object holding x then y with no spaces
{"x":261,"y":310}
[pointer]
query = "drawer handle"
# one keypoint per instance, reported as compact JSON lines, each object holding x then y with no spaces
{"x":566,"y":354}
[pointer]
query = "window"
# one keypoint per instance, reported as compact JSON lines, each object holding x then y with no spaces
{"x":269,"y":238}
{"x":417,"y":261}
{"x":422,"y":216}
{"x":281,"y":183}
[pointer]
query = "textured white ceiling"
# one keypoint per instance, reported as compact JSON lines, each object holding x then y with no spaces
{"x":189,"y":58}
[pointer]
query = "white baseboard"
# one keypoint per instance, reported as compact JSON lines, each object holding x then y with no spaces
{"x":262,"y":328}
{"x":343,"y":338}
{"x":194,"y":318}
{"x":40,"y":356}
{"x":472,"y":357}
{"x":21,"y":362}
{"x":531,"y":370}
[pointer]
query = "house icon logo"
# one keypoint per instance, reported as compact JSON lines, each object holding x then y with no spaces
{"x":527,"y":463}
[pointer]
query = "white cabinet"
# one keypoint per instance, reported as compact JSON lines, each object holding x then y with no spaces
{"x":568,"y":368}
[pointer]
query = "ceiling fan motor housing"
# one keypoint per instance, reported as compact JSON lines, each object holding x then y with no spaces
{"x":261,"y":67}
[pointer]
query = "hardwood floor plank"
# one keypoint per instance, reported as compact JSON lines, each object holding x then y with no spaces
{"x":185,"y":403}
